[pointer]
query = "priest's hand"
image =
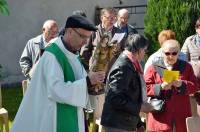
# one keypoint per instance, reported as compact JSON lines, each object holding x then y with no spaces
{"x":96,"y":77}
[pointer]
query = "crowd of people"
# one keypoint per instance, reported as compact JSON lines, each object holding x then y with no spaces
{"x":86,"y":67}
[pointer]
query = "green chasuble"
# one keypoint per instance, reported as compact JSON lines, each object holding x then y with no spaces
{"x":67,"y":119}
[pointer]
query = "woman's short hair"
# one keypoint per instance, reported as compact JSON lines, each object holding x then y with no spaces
{"x":197,"y":25}
{"x":135,"y":42}
{"x":165,"y":35}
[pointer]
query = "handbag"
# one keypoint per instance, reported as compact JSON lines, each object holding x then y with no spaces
{"x":158,"y":105}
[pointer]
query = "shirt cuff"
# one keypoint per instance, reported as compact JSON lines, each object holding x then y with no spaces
{"x":89,"y":84}
{"x":157,"y":89}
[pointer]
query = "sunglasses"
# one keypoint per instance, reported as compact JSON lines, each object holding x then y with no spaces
{"x":171,"y":53}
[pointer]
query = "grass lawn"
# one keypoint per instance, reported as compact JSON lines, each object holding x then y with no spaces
{"x":11,"y":99}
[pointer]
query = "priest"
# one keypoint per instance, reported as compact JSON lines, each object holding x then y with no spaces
{"x":58,"y":91}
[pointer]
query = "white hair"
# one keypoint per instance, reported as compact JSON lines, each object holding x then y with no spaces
{"x":171,"y":43}
{"x":49,"y":23}
{"x":122,"y":12}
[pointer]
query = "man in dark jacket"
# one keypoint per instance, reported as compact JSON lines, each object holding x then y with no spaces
{"x":107,"y":17}
{"x":122,"y":25}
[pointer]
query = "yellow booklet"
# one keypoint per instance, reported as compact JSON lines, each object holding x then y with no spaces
{"x":169,"y":76}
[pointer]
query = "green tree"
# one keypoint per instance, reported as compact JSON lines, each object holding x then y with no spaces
{"x":177,"y":15}
{"x":4,"y":7}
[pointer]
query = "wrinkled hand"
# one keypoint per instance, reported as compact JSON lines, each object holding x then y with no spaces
{"x":96,"y":77}
{"x":166,"y":86}
{"x":177,"y":83}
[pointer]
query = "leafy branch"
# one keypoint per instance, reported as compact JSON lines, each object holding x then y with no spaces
{"x":4,"y":7}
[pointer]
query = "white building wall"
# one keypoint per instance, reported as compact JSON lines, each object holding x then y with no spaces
{"x":26,"y":19}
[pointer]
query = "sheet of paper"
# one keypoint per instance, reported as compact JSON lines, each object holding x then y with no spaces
{"x":169,"y":76}
{"x":118,"y":37}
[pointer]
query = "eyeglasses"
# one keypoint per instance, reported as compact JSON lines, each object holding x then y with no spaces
{"x":109,"y":17}
{"x":171,"y":53}
{"x":80,"y":35}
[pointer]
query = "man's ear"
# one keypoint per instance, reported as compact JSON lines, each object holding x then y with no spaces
{"x":101,"y":17}
{"x":43,"y":29}
{"x":69,"y":30}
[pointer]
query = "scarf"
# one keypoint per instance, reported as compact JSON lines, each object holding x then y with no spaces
{"x":139,"y":69}
{"x":197,"y":40}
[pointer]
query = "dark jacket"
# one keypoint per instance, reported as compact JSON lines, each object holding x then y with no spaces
{"x":129,"y":30}
{"x":123,"y":96}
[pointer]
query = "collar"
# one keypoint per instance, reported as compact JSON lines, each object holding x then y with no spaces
{"x":197,"y":39}
{"x":44,"y":41}
{"x":38,"y":39}
{"x":61,"y":45}
{"x":163,"y":65}
{"x":118,"y":26}
{"x":104,"y":30}
{"x":134,"y":61}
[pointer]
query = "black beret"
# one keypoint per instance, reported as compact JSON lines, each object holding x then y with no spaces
{"x":78,"y":21}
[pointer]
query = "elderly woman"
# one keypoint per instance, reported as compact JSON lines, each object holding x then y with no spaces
{"x":175,"y":93}
{"x":162,"y":37}
{"x":124,"y":94}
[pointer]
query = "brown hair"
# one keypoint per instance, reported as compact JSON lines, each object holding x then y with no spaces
{"x":197,"y":25}
{"x":109,"y":10}
{"x":165,"y":35}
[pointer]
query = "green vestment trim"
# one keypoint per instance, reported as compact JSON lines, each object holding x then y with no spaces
{"x":67,"y":119}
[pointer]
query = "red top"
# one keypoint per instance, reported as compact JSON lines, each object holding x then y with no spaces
{"x":177,"y":107}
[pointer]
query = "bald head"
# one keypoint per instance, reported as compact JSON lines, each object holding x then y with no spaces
{"x":122,"y":17}
{"x":50,"y":30}
{"x":171,"y":45}
{"x":49,"y":23}
{"x":123,"y":12}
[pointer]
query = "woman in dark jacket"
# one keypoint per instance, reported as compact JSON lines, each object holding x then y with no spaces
{"x":124,"y":94}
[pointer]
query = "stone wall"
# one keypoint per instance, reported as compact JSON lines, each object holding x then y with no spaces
{"x":26,"y":19}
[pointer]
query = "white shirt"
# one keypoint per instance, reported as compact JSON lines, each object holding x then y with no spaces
{"x":37,"y":112}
